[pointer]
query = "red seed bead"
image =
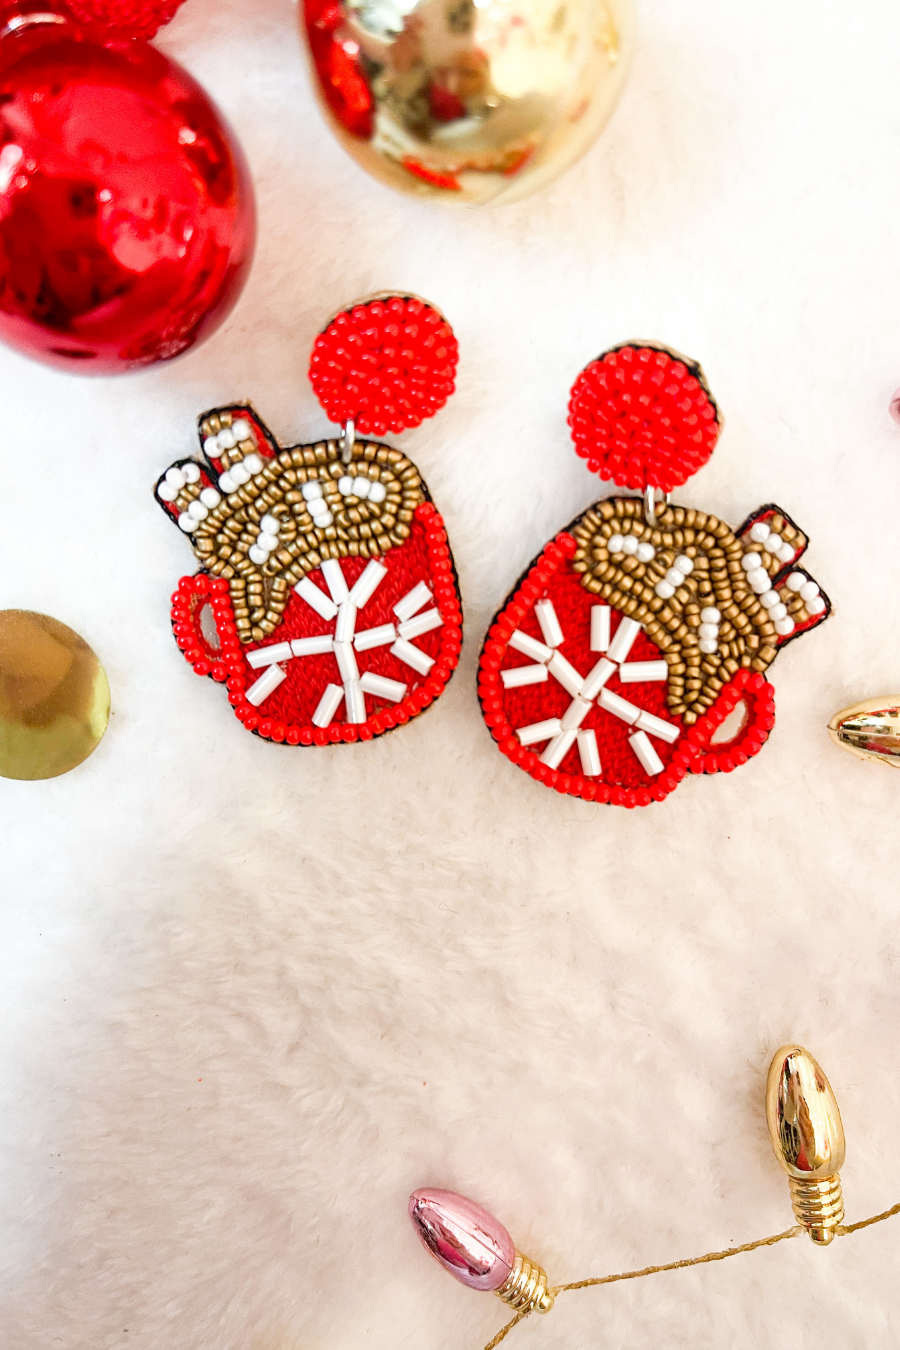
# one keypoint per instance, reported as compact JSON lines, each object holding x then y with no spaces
{"x":279,"y":731}
{"x":265,"y":727}
{"x":642,"y":418}
{"x":293,"y":736}
{"x":358,"y":374}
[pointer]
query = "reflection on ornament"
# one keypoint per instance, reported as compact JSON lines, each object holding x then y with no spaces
{"x":808,"y":1139}
{"x":468,"y":101}
{"x":870,"y":730}
{"x":477,"y":1250}
{"x":54,"y":697}
{"x":127,"y":220}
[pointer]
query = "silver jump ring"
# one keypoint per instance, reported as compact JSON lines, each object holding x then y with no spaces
{"x":348,"y":440}
{"x":650,"y":505}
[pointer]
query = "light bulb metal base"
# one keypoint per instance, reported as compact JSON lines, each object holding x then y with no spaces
{"x":818,"y":1206}
{"x":525,"y":1288}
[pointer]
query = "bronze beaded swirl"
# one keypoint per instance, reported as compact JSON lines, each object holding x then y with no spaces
{"x":359,"y":528}
{"x":747,"y":635}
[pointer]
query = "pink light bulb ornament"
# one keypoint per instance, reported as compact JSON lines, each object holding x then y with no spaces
{"x":477,"y":1250}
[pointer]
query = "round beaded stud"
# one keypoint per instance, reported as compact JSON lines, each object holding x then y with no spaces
{"x":327,"y":600}
{"x":634,"y":649}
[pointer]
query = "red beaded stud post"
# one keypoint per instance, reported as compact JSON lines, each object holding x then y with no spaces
{"x":384,"y":364}
{"x":643,"y":417}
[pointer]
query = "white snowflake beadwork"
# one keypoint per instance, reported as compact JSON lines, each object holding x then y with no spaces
{"x":344,"y":604}
{"x":561,"y":733}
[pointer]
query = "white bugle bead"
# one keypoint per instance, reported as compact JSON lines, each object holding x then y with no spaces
{"x":623,"y":641}
{"x":642,"y":747}
{"x":558,"y":748}
{"x":575,"y":714}
{"x":655,"y":726}
{"x":328,"y":705}
{"x":637,"y":672}
{"x":522,"y":675}
{"x":312,"y":646}
{"x":355,"y":700}
{"x":589,"y":754}
{"x":414,"y":600}
{"x":367,"y":583}
{"x":265,"y":685}
{"x":264,"y":656}
{"x":346,"y":622}
{"x":540,"y":731}
{"x":600,"y":617}
{"x":335,"y":580}
{"x":529,"y":646}
{"x":382,"y":636}
{"x":382,"y":687}
{"x":412,"y":656}
{"x":421,"y":623}
{"x":619,"y":707}
{"x":566,"y":674}
{"x":316,"y":599}
{"x":596,"y":677}
{"x":346,"y":660}
{"x":550,"y":625}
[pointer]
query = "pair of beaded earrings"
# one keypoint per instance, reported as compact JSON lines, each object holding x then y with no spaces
{"x":633,"y":650}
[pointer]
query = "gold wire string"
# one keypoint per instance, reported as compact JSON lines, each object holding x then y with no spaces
{"x":843,"y":1231}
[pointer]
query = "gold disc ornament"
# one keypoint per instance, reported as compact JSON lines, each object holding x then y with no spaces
{"x":466,"y":102}
{"x":54,"y":697}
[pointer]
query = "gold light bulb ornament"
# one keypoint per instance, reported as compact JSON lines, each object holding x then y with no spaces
{"x":870,"y":730}
{"x":808,"y":1139}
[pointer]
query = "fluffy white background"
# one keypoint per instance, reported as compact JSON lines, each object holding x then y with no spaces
{"x":251,"y":997}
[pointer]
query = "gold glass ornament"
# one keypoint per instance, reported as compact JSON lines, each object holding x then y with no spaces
{"x":54,"y":697}
{"x":870,"y":730}
{"x":808,"y":1139}
{"x":466,"y":102}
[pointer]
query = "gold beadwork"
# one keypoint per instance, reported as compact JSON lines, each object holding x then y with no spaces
{"x":718,"y":580}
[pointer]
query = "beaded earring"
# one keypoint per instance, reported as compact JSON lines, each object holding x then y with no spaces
{"x":327,"y":600}
{"x":634,"y":649}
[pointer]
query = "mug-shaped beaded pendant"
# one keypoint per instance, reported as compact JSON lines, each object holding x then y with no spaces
{"x":635,"y":647}
{"x":326,"y":600}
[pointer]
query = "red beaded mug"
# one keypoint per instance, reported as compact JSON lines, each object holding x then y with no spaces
{"x":327,"y":600}
{"x":634,"y":648}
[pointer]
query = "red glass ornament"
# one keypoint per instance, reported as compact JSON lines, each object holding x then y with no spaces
{"x":127,"y":219}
